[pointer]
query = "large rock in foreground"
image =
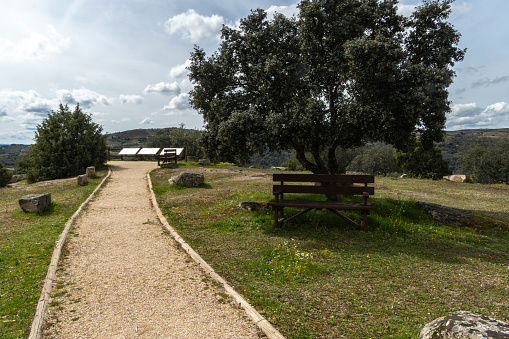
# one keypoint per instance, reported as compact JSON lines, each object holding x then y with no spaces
{"x":188,"y":179}
{"x":465,"y":325}
{"x":35,"y":202}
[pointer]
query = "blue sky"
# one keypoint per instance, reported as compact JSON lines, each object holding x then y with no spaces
{"x":124,"y":60}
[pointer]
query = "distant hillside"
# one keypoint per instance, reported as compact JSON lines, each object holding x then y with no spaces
{"x":452,"y":146}
{"x":456,"y":141}
{"x":131,"y":138}
{"x":10,"y":154}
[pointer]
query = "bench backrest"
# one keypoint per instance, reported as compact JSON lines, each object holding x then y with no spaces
{"x":288,"y":184}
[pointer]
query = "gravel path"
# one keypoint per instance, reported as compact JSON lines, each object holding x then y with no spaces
{"x":124,"y":277}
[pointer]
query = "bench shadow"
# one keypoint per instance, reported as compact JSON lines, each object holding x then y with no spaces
{"x":437,"y":244}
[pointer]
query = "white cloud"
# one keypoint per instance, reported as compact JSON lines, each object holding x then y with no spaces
{"x":406,"y":10}
{"x":85,"y":97}
{"x":179,"y":71}
{"x":25,"y":101}
{"x":34,"y":46}
{"x":163,"y":88}
{"x":146,"y":121}
{"x":287,"y":11}
{"x":466,"y":116}
{"x":123,"y":120}
{"x":195,"y":27}
{"x":485,"y":82}
{"x":131,"y":99}
{"x":178,"y":103}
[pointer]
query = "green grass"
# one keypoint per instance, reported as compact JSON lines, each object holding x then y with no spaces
{"x":318,"y":277}
{"x":27,"y":241}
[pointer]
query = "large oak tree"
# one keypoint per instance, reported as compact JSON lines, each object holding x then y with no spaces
{"x":341,"y":74}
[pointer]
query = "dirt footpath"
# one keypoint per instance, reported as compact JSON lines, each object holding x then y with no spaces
{"x":123,"y":276}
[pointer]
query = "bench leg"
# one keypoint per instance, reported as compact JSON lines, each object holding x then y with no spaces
{"x":278,"y":212}
{"x":364,"y":220}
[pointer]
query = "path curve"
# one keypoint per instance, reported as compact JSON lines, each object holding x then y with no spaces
{"x":125,"y":277}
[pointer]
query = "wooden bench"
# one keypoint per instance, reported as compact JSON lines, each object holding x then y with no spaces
{"x":323,"y":184}
{"x":166,"y":156}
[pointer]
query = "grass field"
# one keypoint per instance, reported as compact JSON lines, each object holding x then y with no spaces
{"x":27,"y":241}
{"x":318,"y":277}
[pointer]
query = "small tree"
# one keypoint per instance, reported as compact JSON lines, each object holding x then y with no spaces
{"x":66,"y":143}
{"x":421,"y":162}
{"x":487,"y":161}
{"x":5,"y":176}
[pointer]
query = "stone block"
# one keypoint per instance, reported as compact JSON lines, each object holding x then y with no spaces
{"x":465,"y":325}
{"x":188,"y":179}
{"x":17,"y":177}
{"x":90,"y":171}
{"x":35,"y":202}
{"x":169,"y":165}
{"x":456,"y":178}
{"x":82,"y":179}
{"x":204,"y":162}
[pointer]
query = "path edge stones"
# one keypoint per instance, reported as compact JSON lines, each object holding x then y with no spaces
{"x":270,"y":331}
{"x":42,"y":305}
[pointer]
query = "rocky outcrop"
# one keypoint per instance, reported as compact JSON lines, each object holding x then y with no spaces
{"x":17,"y":177}
{"x":169,"y":165}
{"x":35,"y":202}
{"x":465,"y":325}
{"x":252,"y":206}
{"x":456,"y":178}
{"x":446,"y":215}
{"x":188,"y":179}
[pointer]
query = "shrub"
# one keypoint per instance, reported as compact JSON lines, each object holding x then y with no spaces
{"x":421,"y":162}
{"x":66,"y":143}
{"x":5,"y":176}
{"x":487,"y":161}
{"x":377,"y":159}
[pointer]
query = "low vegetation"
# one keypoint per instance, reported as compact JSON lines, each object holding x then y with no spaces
{"x":27,"y":241}
{"x":318,"y":277}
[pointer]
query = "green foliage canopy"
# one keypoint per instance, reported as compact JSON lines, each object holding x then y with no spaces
{"x":66,"y":143}
{"x":487,"y":161}
{"x":345,"y":73}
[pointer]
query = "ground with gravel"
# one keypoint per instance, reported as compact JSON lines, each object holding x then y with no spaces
{"x":123,"y":276}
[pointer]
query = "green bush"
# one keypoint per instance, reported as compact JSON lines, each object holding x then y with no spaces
{"x":5,"y":176}
{"x":487,"y":161}
{"x":376,"y":159}
{"x":419,"y":161}
{"x":66,"y":143}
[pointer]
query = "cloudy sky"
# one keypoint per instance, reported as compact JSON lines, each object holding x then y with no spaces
{"x":124,"y":60}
